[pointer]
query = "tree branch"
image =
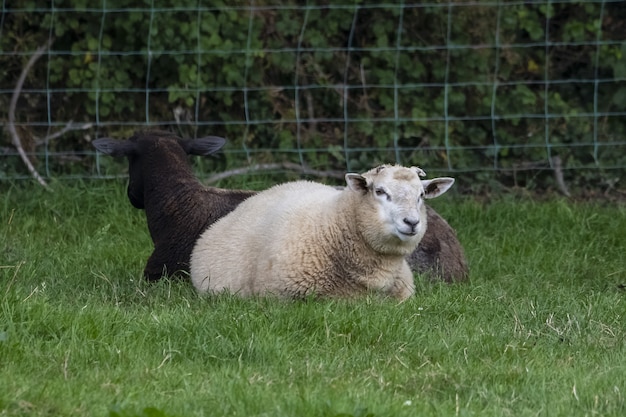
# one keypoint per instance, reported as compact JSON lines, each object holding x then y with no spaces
{"x":266,"y":167}
{"x":68,"y":127}
{"x":11,"y":124}
{"x":558,"y":175}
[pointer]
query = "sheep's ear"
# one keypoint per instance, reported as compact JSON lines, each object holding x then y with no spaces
{"x":437,"y":186}
{"x":114,"y":147}
{"x":204,"y":146}
{"x":356,"y":182}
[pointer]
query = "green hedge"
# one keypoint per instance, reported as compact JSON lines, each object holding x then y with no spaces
{"x":206,"y":67}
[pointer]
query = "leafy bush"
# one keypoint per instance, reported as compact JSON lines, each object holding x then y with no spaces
{"x":458,"y":88}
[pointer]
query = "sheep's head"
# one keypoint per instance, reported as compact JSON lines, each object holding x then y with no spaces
{"x":392,"y":215}
{"x":153,"y":152}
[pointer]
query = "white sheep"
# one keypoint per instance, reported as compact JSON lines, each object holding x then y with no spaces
{"x":304,"y":238}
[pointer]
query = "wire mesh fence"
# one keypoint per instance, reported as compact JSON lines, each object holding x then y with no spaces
{"x":475,"y":87}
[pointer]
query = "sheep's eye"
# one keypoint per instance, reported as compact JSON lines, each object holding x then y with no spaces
{"x":381,"y":192}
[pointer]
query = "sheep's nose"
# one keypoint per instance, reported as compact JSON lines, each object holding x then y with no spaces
{"x":411,"y":221}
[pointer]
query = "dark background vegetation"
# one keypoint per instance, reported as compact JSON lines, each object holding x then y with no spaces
{"x":492,"y":91}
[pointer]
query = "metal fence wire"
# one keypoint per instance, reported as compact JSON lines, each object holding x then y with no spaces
{"x":476,"y":87}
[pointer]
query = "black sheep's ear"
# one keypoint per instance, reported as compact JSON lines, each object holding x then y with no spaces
{"x":114,"y":147}
{"x":204,"y":146}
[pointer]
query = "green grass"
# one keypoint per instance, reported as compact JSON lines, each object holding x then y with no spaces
{"x":539,"y":330}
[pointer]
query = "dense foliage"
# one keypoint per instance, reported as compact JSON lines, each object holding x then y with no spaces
{"x":448,"y":86}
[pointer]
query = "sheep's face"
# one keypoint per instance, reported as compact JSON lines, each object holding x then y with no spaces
{"x":392,"y":214}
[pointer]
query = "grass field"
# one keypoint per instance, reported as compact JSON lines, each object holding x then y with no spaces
{"x":539,"y":330}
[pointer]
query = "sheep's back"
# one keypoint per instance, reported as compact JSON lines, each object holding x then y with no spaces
{"x":243,"y":245}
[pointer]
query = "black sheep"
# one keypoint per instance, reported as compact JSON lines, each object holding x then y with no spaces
{"x":439,"y":254}
{"x":178,"y":207}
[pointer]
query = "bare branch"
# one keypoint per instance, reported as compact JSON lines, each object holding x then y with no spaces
{"x":558,"y":175}
{"x":68,"y":127}
{"x":11,"y":124}
{"x":267,"y":167}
